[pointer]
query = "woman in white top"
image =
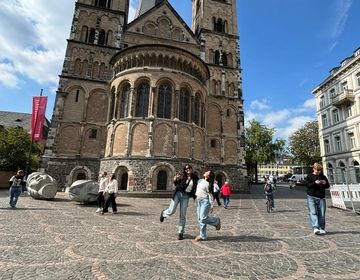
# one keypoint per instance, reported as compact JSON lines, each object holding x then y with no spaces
{"x":205,"y":203}
{"x":111,"y":189}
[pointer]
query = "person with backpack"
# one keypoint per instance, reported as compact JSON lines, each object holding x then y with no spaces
{"x":269,"y":190}
{"x":225,"y":193}
{"x":16,"y":183}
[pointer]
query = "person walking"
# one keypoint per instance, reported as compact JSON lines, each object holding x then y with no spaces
{"x":225,"y":192}
{"x":185,"y":187}
{"x":269,"y":190}
{"x":205,"y":203}
{"x":217,"y":193}
{"x":16,"y":184}
{"x":316,"y":183}
{"x":111,"y":190}
{"x":104,"y":180}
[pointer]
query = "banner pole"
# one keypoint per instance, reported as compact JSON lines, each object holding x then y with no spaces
{"x":32,"y":141}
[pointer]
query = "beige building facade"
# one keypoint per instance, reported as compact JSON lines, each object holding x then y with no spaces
{"x":142,"y":99}
{"x":338,"y":113}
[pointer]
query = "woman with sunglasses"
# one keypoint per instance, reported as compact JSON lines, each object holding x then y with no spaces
{"x":185,"y":187}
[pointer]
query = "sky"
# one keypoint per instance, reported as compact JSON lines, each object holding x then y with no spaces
{"x":287,"y":48}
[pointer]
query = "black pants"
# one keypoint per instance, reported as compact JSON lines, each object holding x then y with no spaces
{"x":110,"y":200}
{"x":101,"y":199}
{"x":216,"y":196}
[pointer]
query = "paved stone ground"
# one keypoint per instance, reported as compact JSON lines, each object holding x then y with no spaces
{"x":61,"y":239}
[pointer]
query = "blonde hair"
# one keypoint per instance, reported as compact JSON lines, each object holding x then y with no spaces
{"x":317,"y":166}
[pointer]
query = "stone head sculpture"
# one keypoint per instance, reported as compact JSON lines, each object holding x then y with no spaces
{"x":83,"y":191}
{"x":41,"y":186}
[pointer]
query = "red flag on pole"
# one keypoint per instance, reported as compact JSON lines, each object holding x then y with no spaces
{"x":37,"y":118}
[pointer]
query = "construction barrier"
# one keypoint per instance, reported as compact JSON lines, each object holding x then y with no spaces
{"x":341,"y":195}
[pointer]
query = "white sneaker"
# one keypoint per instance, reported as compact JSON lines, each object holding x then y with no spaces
{"x":322,"y":231}
{"x":316,"y":231}
{"x":98,"y":210}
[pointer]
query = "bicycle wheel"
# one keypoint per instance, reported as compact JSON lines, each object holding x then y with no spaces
{"x":268,"y":205}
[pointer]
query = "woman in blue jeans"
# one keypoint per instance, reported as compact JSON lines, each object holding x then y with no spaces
{"x":16,"y":183}
{"x":205,"y":203}
{"x":316,"y":183}
{"x":185,"y":187}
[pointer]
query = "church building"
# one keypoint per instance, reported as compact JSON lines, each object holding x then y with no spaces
{"x":141,"y":99}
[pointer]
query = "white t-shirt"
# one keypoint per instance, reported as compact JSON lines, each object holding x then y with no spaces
{"x":112,"y":187}
{"x":216,"y":187}
{"x":202,"y":190}
{"x":104,"y":181}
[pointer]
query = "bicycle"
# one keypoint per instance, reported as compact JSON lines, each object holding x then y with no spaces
{"x":268,"y":203}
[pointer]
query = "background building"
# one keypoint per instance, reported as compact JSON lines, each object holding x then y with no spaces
{"x":338,"y":113}
{"x":142,"y":99}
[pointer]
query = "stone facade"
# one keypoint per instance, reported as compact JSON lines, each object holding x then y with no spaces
{"x":338,"y":113}
{"x":142,"y":99}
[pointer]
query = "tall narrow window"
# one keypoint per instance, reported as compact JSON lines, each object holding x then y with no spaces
{"x":101,"y":37}
{"x":358,"y":78}
{"x":336,"y":118}
{"x":326,"y":146}
{"x":196,"y":110}
{"x":92,"y":36}
{"x":142,"y":100}
{"x":357,"y":172}
{"x":348,"y":111}
{"x":338,"y":143}
{"x":184,"y":105}
{"x":324,"y":120}
{"x":330,"y":172}
{"x":124,"y":181}
{"x":77,"y":96}
{"x":322,"y":101}
{"x":124,"y":102}
{"x":164,"y":101}
{"x":352,"y":143}
{"x":108,"y":4}
{"x":224,"y":59}
{"x":217,"y":57}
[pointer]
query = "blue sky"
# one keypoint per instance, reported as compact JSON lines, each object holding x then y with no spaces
{"x":287,"y":48}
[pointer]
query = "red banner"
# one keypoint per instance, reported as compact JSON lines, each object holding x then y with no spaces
{"x":38,"y":116}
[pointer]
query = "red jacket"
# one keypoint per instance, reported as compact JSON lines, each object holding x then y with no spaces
{"x":226,"y":190}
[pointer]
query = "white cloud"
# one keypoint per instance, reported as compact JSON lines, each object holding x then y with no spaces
{"x":33,"y":39}
{"x":292,"y":125}
{"x":259,"y":104}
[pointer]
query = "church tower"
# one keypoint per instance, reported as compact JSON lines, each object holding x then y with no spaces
{"x":214,"y":23}
{"x":77,"y":135}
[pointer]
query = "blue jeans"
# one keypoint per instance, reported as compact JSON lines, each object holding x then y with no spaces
{"x":317,"y":208}
{"x":183,"y":199}
{"x":226,"y":200}
{"x":15,"y":192}
{"x":203,"y":208}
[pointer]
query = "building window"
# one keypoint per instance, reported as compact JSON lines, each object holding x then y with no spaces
{"x":322,"y":101}
{"x":164,"y":101}
{"x":77,"y":96}
{"x":342,"y":172}
{"x":357,"y":172}
{"x":184,"y":105}
{"x":213,"y":143}
{"x":327,"y":146}
{"x":324,"y":120}
{"x":124,"y":101}
{"x":352,"y":140}
{"x":330,"y":173}
{"x":348,"y":111}
{"x":344,"y":86}
{"x":124,"y":181}
{"x":92,"y":36}
{"x":338,"y":143}
{"x":358,"y":79}
{"x":217,"y":57}
{"x":93,"y":134}
{"x":196,"y":110}
{"x":142,"y":100}
{"x":336,"y":118}
{"x":102,"y":36}
{"x":332,"y":92}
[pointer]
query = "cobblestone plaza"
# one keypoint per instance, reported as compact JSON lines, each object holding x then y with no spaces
{"x":61,"y":239}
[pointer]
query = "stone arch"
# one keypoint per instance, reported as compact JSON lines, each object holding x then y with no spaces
{"x":163,"y":140}
{"x":74,"y":104}
{"x":140,"y":140}
{"x":164,"y":24}
{"x":75,"y":172}
{"x":97,"y":106}
{"x":149,"y":28}
{"x":184,"y":142}
{"x":213,"y":118}
{"x":170,"y":172}
{"x":122,"y":176}
{"x":120,"y":136}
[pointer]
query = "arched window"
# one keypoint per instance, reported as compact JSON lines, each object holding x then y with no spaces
{"x":124,"y":102}
{"x":164,"y":101}
{"x":124,"y":181}
{"x":84,"y":34}
{"x":100,"y":3}
{"x":196,"y":110}
{"x":161,"y":180}
{"x":142,"y":100}
{"x":219,"y":25}
{"x":92,"y":36}
{"x":101,"y":40}
{"x":330,"y":172}
{"x":108,"y":4}
{"x":224,"y":59}
{"x":342,"y":172}
{"x":184,"y":105}
{"x":109,"y":36}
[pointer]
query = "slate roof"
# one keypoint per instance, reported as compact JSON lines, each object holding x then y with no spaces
{"x":14,"y":119}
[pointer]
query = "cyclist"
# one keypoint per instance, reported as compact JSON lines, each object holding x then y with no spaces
{"x":269,"y":190}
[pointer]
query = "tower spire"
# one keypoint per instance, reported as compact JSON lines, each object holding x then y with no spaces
{"x":145,"y":5}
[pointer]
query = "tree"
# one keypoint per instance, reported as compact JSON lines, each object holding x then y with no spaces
{"x":259,"y":146}
{"x":14,"y":150}
{"x":304,"y":144}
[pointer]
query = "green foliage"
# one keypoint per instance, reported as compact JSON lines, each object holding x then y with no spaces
{"x":14,"y":150}
{"x":259,"y":146}
{"x":304,"y":144}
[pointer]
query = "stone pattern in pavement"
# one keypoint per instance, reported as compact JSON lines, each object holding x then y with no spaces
{"x":61,"y":239}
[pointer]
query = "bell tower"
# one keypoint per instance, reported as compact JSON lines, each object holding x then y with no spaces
{"x":77,"y":132}
{"x":214,"y":22}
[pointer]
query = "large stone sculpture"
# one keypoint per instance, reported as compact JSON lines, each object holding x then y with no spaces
{"x":83,"y":191}
{"x":41,"y":186}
